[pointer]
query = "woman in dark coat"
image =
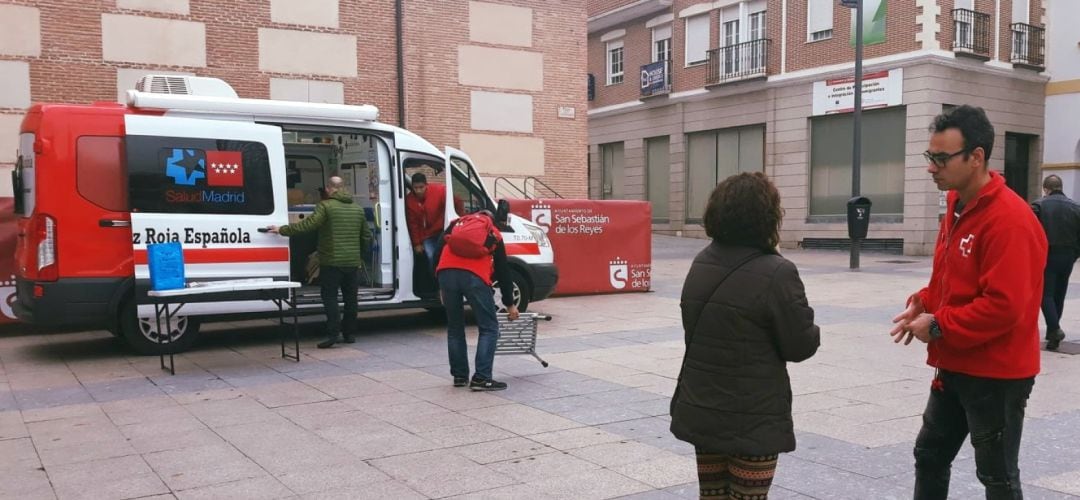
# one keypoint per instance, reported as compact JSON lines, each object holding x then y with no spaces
{"x":745,"y":316}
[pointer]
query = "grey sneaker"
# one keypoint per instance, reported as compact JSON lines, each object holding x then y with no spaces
{"x":486,"y":385}
{"x":461,"y":381}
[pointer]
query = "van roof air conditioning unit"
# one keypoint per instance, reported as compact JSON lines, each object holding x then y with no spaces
{"x":185,"y":85}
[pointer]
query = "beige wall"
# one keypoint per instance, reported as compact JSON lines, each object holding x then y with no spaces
{"x":307,"y":12}
{"x":507,"y":155}
{"x":501,"y":112}
{"x":500,"y":24}
{"x":20,"y":31}
{"x":303,"y":52}
{"x":180,"y":7}
{"x":9,"y":141}
{"x":500,"y":68}
{"x":148,"y":40}
{"x":14,"y":84}
{"x":307,"y":91}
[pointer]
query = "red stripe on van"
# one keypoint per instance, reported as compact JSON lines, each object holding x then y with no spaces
{"x":226,"y":255}
{"x":522,"y":249}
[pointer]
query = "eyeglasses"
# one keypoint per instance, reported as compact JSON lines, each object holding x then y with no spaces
{"x":940,"y":159}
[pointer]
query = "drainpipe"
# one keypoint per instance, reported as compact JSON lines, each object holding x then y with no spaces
{"x":400,"y":63}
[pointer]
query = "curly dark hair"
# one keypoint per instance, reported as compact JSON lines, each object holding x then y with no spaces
{"x":745,"y":210}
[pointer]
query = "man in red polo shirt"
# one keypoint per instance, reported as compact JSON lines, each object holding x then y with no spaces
{"x":979,"y":316}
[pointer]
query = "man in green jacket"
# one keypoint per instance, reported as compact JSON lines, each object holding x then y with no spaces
{"x":343,"y":239}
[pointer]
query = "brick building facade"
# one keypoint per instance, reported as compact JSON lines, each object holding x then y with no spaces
{"x":758,"y":85}
{"x":490,"y":77}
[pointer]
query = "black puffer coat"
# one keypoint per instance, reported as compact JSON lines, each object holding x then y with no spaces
{"x":734,"y":394}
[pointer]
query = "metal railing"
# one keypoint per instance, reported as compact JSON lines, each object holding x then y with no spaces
{"x":547,"y":191}
{"x":738,"y":62}
{"x":1029,"y":45}
{"x":971,"y":32}
{"x":509,"y":189}
{"x":656,"y":78}
{"x":531,"y":188}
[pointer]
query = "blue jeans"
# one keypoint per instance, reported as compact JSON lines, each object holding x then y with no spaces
{"x":431,"y":245}
{"x":992,"y":412}
{"x":458,"y":285}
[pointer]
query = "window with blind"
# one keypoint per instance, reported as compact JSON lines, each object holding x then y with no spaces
{"x":882,"y":169}
{"x":697,"y":39}
{"x":819,"y":20}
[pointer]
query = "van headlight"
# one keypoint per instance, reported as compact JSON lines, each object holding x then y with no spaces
{"x":539,"y":235}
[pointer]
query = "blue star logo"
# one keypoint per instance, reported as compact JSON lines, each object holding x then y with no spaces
{"x":186,"y":166}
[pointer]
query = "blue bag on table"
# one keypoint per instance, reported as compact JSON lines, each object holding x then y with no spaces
{"x":166,"y":262}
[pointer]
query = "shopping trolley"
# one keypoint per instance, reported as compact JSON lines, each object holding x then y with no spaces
{"x":519,"y":336}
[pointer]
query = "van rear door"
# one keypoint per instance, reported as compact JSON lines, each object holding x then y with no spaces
{"x":210,"y":185}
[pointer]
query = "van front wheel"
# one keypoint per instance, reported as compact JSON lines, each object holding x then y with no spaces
{"x":142,"y":336}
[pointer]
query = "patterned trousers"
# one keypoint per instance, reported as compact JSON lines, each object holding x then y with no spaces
{"x":735,"y":477}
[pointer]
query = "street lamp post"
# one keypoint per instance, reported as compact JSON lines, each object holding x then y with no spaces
{"x":856,"y":154}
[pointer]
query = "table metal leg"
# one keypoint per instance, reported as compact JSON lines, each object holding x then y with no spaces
{"x":281,"y":303}
{"x":164,"y":337}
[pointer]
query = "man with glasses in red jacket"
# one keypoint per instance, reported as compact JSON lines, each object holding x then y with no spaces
{"x":979,"y":316}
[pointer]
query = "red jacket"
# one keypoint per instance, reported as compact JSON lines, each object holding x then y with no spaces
{"x":426,"y":217}
{"x":986,"y":286}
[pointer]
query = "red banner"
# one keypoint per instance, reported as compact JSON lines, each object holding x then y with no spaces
{"x":600,"y":246}
{"x":9,"y":232}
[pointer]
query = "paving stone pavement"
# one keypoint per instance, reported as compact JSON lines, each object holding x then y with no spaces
{"x":82,"y":418}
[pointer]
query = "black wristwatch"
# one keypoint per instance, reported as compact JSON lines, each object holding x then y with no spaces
{"x":935,"y":329}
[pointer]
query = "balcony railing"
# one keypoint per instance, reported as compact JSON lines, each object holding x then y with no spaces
{"x":1029,"y":45}
{"x":656,"y":78}
{"x":741,"y":61}
{"x":971,"y":32}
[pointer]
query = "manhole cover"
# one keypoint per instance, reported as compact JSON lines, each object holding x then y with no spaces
{"x":898,"y":261}
{"x":1068,"y":348}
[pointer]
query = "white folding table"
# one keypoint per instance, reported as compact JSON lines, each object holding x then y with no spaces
{"x":281,"y":293}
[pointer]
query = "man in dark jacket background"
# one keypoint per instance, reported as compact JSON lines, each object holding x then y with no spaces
{"x":979,"y":314}
{"x":1060,"y":217}
{"x":344,"y":238}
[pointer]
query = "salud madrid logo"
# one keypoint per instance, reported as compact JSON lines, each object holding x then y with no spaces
{"x":195,"y":173}
{"x":618,"y":273}
{"x":541,"y":215}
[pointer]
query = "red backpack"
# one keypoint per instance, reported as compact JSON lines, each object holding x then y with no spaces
{"x":473,"y":237}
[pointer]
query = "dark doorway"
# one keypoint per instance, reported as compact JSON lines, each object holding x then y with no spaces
{"x":1017,"y":162}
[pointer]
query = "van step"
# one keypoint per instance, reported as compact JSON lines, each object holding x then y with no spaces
{"x":311,"y":295}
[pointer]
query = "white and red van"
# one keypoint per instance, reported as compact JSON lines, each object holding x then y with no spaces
{"x":187,"y":160}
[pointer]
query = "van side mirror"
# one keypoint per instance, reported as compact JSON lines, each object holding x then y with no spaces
{"x":502,"y":212}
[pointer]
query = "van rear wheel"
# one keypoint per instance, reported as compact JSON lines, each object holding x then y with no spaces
{"x":142,"y":336}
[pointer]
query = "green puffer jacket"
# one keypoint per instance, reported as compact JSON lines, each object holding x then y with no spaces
{"x":344,"y":236}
